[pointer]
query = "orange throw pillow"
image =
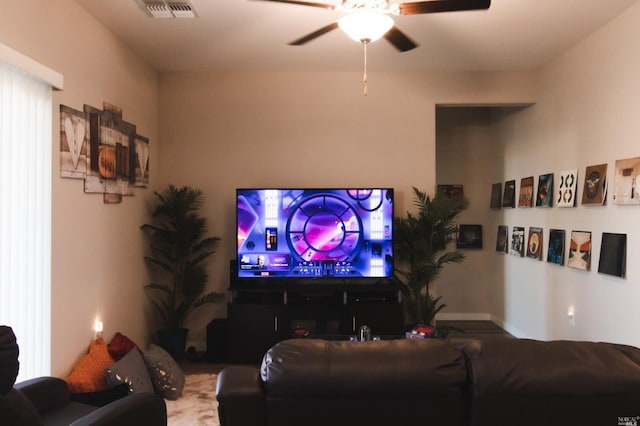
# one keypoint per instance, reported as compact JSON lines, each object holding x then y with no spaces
{"x":88,"y":374}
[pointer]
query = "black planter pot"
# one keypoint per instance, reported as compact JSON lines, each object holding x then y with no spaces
{"x":174,"y":341}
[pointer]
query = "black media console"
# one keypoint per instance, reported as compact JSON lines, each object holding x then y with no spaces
{"x":260,"y":314}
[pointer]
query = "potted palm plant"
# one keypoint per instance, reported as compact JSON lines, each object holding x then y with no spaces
{"x":178,"y":247}
{"x":421,"y":252}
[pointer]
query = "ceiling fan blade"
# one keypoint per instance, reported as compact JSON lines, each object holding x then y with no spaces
{"x":436,"y":6}
{"x":305,"y":3}
{"x":315,"y":34}
{"x":399,"y":40}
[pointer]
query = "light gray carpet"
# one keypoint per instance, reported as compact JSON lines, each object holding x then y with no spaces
{"x":197,"y":406}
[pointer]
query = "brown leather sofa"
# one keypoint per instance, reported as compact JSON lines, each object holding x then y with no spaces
{"x":46,"y":400}
{"x":431,"y":382}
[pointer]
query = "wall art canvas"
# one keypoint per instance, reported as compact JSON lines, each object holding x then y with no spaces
{"x":517,"y":241}
{"x":627,"y":182}
{"x":73,"y":149}
{"x":104,"y":150}
{"x":509,"y":196}
{"x":555,"y":252}
{"x":544,"y":197}
{"x":580,"y":250}
{"x":451,"y":191}
{"x":613,"y":254}
{"x":595,"y":185}
{"x":526,"y":192}
{"x":534,"y":243}
{"x":496,"y":195}
{"x":567,"y":186}
{"x":469,"y":237}
{"x":502,"y":239}
{"x":141,"y":161}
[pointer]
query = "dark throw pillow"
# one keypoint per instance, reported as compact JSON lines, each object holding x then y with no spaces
{"x":130,"y":370}
{"x":165,"y":374}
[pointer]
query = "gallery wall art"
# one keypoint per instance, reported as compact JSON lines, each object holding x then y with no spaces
{"x":534,"y":243}
{"x":544,"y":197}
{"x":595,"y":185}
{"x":502,"y":239}
{"x":526,"y":192}
{"x":627,"y":180}
{"x":469,"y":237}
{"x":496,"y":195}
{"x":509,"y":196}
{"x":567,"y":187}
{"x":613,"y":254}
{"x":105,"y":151}
{"x":555,"y":252}
{"x":517,"y":241}
{"x":580,"y":250}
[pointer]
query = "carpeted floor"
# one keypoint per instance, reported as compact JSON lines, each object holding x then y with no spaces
{"x":197,"y":406}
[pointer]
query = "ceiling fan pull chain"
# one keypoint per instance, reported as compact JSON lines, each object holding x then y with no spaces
{"x":364,"y":76}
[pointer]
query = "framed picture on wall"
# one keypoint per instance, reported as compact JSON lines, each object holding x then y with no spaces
{"x":595,"y":185}
{"x":627,"y":182}
{"x":496,"y":195}
{"x":567,"y":188}
{"x":534,"y":243}
{"x":544,"y":197}
{"x":517,"y":241}
{"x":526,"y":192}
{"x":502,"y":239}
{"x":580,"y":250}
{"x":509,"y":196}
{"x":555,"y":252}
{"x":613,"y":254}
{"x":469,"y":237}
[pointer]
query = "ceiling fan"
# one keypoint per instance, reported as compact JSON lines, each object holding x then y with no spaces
{"x":368,"y":20}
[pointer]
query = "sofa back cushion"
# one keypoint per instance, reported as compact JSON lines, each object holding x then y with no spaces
{"x":556,"y":383}
{"x":340,"y":368}
{"x":378,"y":383}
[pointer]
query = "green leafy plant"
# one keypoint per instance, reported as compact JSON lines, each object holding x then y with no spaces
{"x":421,"y":251}
{"x":179,"y":246}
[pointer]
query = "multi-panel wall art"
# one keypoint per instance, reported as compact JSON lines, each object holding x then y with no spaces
{"x":105,"y":151}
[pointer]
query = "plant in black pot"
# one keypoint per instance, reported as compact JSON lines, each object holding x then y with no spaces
{"x":421,"y":252}
{"x":179,"y":248}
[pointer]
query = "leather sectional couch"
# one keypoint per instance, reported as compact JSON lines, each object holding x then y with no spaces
{"x":46,"y":400}
{"x":486,"y":382}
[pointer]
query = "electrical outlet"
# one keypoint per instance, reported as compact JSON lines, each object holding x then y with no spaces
{"x":572,"y":316}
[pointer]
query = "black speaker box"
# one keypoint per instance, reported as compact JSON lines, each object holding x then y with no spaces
{"x":217,"y":347}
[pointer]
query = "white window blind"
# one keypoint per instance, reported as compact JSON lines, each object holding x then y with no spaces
{"x":25,"y":216}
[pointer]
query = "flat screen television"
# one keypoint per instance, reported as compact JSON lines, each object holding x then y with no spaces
{"x":314,"y":233}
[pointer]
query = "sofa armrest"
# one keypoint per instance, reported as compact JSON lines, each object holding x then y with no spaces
{"x":141,"y":408}
{"x":240,"y":397}
{"x":45,"y":393}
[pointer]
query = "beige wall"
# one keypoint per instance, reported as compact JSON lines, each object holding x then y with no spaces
{"x":586,"y":114}
{"x":222,"y":131}
{"x":97,"y":249}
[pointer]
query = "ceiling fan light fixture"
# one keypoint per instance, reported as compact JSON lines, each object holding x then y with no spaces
{"x":365,"y":26}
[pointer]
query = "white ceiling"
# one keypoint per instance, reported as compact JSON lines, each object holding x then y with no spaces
{"x":250,"y":35}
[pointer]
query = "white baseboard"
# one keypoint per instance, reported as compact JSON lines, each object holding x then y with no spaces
{"x":463,"y":317}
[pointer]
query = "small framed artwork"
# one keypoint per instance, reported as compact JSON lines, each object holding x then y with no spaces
{"x":545,"y":191}
{"x":534,"y":243}
{"x":502,"y":239}
{"x":496,"y":195}
{"x":509,"y":196}
{"x":627,"y":183}
{"x":595,"y":185}
{"x":526,"y":192}
{"x":517,"y":241}
{"x":567,"y":187}
{"x":469,"y":237}
{"x":613,"y":254}
{"x":555,"y":252}
{"x":580,"y":250}
{"x":455,"y":193}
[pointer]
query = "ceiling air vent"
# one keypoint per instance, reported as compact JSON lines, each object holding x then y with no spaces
{"x":168,"y":9}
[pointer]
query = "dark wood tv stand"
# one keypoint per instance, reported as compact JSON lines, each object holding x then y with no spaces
{"x":261,"y":316}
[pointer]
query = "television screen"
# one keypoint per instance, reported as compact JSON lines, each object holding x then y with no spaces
{"x":314,"y":233}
